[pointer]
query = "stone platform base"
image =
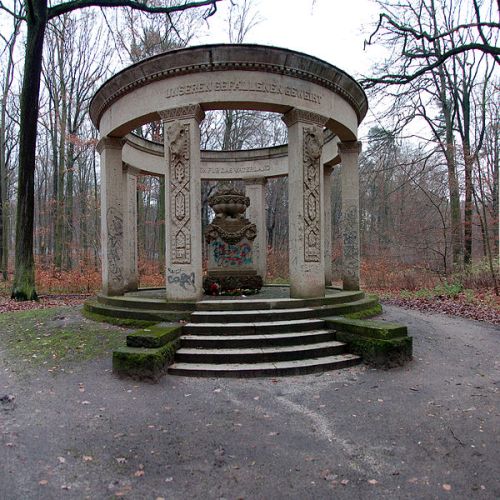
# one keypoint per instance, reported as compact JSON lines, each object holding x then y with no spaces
{"x":268,"y":334}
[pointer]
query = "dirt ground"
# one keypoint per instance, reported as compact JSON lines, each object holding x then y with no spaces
{"x":428,"y":430}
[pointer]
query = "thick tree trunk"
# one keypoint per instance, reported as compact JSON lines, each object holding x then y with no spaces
{"x":24,"y":277}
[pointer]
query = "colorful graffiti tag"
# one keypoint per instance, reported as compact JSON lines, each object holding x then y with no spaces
{"x":226,"y":255}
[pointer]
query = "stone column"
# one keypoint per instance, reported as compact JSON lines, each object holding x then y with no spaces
{"x":183,"y":203}
{"x":327,"y":239}
{"x":112,"y":215}
{"x":131,"y":271}
{"x":305,"y":203}
{"x":256,"y":213}
{"x":349,"y":152}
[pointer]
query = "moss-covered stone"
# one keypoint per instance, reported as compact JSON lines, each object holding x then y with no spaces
{"x":377,"y":352}
{"x":370,"y":312}
{"x":125,"y":322}
{"x":369,"y":328}
{"x":379,"y":343}
{"x":155,"y":336}
{"x":142,"y":363}
{"x":151,"y":316}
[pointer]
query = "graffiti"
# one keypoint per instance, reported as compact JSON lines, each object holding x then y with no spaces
{"x":226,"y":255}
{"x":179,"y":277}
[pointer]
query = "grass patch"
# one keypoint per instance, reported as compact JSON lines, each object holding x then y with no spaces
{"x":53,"y":337}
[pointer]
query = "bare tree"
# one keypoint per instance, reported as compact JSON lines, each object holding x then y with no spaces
{"x":476,"y":25}
{"x":37,"y":14}
{"x":7,"y":79}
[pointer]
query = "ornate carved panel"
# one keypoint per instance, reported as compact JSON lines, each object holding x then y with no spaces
{"x":178,"y":137}
{"x":114,"y":224}
{"x":312,"y":146}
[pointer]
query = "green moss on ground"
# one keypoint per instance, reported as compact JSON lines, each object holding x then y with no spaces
{"x":54,"y":337}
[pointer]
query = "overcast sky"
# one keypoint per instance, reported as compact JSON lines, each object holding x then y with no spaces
{"x":333,"y":30}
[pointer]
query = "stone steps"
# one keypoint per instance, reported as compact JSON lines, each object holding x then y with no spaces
{"x":264,"y":340}
{"x":152,"y":307}
{"x":278,"y":368}
{"x":246,"y":304}
{"x":251,"y":316}
{"x":135,"y":314}
{"x":258,"y":348}
{"x":259,"y":328}
{"x":267,"y":315}
{"x":134,"y":302}
{"x":221,"y":355}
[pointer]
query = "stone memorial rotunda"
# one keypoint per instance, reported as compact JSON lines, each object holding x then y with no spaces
{"x":322,"y":107}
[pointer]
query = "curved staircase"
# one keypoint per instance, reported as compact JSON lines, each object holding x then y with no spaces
{"x":251,"y":338}
{"x":241,"y":337}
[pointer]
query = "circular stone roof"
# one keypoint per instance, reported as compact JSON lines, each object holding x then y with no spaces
{"x":226,"y":57}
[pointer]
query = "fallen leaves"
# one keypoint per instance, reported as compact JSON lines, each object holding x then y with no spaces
{"x":452,"y":306}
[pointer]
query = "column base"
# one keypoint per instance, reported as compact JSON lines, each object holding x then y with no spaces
{"x":307,"y":291}
{"x":351,"y":285}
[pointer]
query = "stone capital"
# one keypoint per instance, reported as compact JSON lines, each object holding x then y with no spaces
{"x":296,"y":115}
{"x":259,"y":181}
{"x":110,"y":143}
{"x":183,"y":113}
{"x":352,"y":147}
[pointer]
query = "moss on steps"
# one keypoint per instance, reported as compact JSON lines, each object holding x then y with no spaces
{"x":155,"y":336}
{"x":379,"y":343}
{"x":148,"y":353}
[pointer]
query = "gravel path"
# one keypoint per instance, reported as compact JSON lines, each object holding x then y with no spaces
{"x":428,"y":430}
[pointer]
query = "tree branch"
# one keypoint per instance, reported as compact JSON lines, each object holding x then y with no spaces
{"x":423,"y":35}
{"x":400,"y":79}
{"x":12,"y":13}
{"x":141,"y":5}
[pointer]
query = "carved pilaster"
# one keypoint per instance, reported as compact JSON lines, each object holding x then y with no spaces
{"x":312,"y":146}
{"x":305,"y":203}
{"x":178,"y":141}
{"x":112,"y":215}
{"x":255,"y":189}
{"x":349,"y":152}
{"x":182,"y":199}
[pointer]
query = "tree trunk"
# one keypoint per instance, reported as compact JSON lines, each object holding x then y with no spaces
{"x":24,"y":277}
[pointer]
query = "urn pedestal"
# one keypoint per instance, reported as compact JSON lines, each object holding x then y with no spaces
{"x":230,"y":239}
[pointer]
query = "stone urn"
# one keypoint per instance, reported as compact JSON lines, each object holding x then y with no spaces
{"x":229,"y":203}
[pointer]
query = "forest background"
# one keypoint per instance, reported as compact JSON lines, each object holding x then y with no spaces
{"x":429,"y":170}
